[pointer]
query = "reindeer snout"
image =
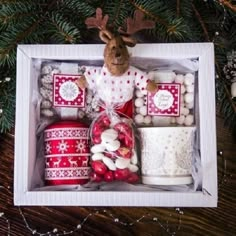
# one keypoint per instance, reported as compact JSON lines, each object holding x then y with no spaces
{"x":118,"y":54}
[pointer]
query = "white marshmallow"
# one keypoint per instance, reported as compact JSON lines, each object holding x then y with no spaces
{"x":190,"y":88}
{"x":138,"y":119}
{"x":122,"y":163}
{"x":109,"y":163}
{"x":180,"y":120}
{"x":184,"y":111}
{"x":97,"y":148}
{"x":190,"y":105}
{"x":112,"y":146}
{"x":179,"y":79}
{"x":133,"y":168}
{"x":189,"y":79}
{"x":138,"y":102}
{"x":188,"y":97}
{"x":97,"y":156}
{"x":189,"y":120}
{"x":182,"y":89}
{"x":109,"y":135}
{"x":138,"y":94}
{"x":147,"y":120}
{"x":143,"y":110}
{"x":165,"y":76}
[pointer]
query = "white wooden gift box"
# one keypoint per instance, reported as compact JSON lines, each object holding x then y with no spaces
{"x":25,"y":138}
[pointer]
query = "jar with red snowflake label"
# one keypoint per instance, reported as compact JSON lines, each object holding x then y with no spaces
{"x":67,"y":153}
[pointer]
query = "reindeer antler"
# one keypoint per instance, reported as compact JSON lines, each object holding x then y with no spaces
{"x":137,"y":23}
{"x":99,"y":21}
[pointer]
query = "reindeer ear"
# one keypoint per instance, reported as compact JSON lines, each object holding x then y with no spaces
{"x":130,"y":42}
{"x":105,"y":36}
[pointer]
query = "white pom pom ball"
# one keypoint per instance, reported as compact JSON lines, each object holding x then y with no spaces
{"x":190,"y":88}
{"x":165,"y":76}
{"x":138,"y":119}
{"x":179,"y":79}
{"x":190,"y":105}
{"x":143,"y":110}
{"x":139,"y":102}
{"x":147,"y":120}
{"x":182,"y":90}
{"x":189,"y":79}
{"x":138,"y":94}
{"x":184,"y":111}
{"x":180,"y":120}
{"x":188,"y":97}
{"x":189,"y":120}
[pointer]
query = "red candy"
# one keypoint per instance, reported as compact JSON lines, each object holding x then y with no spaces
{"x":99,"y":167}
{"x":121,"y":174}
{"x":101,"y":171}
{"x":97,"y":139}
{"x":106,"y":121}
{"x":109,"y":177}
{"x":96,"y":177}
{"x":132,"y":178}
{"x":123,"y":128}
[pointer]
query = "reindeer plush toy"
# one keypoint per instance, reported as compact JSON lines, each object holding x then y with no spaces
{"x":114,"y":83}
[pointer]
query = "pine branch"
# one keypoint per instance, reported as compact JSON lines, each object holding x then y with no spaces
{"x":201,"y":23}
{"x":62,"y":31}
{"x":177,"y":8}
{"x":7,"y":101}
{"x":151,"y":15}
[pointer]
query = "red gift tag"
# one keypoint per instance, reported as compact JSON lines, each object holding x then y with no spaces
{"x":66,"y":93}
{"x":67,"y":153}
{"x":166,"y":101}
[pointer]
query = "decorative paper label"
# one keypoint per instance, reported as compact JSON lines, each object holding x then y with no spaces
{"x":166,"y":101}
{"x":66,"y":93}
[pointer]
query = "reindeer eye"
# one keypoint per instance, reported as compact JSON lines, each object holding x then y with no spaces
{"x":121,"y":46}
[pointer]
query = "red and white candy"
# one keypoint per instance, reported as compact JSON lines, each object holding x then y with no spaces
{"x":113,"y":155}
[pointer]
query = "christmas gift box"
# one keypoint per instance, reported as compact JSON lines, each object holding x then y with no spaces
{"x":29,"y":189}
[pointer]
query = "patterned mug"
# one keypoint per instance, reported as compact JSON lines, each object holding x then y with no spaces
{"x":166,"y":155}
{"x":67,"y":153}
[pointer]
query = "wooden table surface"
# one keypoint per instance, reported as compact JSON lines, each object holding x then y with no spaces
{"x":120,"y":220}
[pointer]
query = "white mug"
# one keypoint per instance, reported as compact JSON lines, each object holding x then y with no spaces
{"x":166,"y":155}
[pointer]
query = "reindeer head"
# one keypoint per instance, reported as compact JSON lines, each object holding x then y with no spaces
{"x":116,"y":56}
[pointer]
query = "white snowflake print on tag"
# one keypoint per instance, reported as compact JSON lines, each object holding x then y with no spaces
{"x":66,"y":93}
{"x":69,"y":91}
